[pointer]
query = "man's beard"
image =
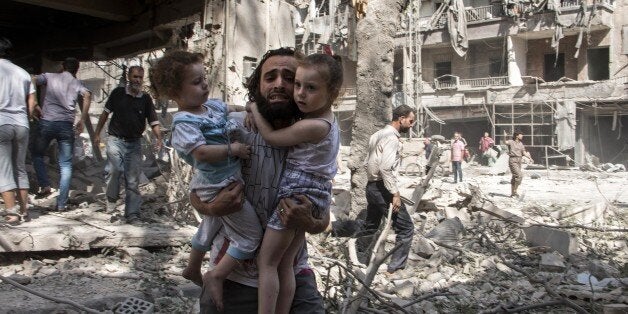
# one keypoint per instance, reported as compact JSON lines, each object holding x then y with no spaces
{"x":403,"y":129}
{"x":286,"y":111}
{"x":135,"y":88}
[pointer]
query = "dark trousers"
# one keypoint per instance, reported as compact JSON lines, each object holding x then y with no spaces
{"x":378,"y":199}
{"x":239,"y":298}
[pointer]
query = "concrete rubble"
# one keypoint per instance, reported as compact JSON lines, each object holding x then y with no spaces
{"x":475,"y":249}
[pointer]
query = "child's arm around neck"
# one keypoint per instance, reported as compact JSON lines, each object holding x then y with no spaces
{"x":303,"y":131}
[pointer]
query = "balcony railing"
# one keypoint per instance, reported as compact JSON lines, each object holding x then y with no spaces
{"x":496,"y":11}
{"x":485,"y":81}
{"x":447,"y":81}
{"x":454,"y":82}
{"x":483,"y":13}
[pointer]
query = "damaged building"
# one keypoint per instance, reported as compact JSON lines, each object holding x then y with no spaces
{"x":553,"y":70}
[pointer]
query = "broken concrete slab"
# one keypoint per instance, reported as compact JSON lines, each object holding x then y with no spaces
{"x":83,"y":230}
{"x":448,"y":231}
{"x":563,"y":242}
{"x":489,"y":208}
{"x":552,"y":262}
{"x":615,"y":308}
{"x":583,"y":214}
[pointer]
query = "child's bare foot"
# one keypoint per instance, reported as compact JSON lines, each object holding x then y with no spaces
{"x":214,"y":285}
{"x":193,"y":275}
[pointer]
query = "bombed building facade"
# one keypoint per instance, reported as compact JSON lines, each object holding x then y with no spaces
{"x":554,"y":70}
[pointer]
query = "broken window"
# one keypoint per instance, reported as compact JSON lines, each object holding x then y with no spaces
{"x":554,"y":67}
{"x":598,"y":60}
{"x":497,"y":67}
{"x":443,"y":68}
{"x":248,"y":67}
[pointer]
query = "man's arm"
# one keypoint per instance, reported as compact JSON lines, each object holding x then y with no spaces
{"x":298,"y":214}
{"x":101,"y":123}
{"x":87,"y":99}
{"x":32,"y":107}
{"x":389,"y":147}
{"x":227,"y":201}
{"x":157,"y":132}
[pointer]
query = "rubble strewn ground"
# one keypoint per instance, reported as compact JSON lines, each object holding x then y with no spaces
{"x":561,"y":247}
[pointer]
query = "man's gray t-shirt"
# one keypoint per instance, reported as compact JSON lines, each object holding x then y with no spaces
{"x":15,"y":86}
{"x":261,"y":174}
{"x":61,"y":95}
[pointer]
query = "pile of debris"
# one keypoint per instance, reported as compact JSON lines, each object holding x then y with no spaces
{"x":475,"y":251}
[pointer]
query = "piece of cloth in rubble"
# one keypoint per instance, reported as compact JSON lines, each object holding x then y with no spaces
{"x":457,"y":25}
{"x":565,"y":116}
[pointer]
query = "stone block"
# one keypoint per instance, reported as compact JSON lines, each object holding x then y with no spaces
{"x":615,"y":308}
{"x":493,"y":210}
{"x":563,"y":242}
{"x":552,"y":262}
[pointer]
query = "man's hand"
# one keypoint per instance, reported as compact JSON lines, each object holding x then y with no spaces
{"x":227,"y":201}
{"x":296,"y":213}
{"x":36,"y":113}
{"x":159,"y":144}
{"x":396,"y":202}
{"x":249,"y":120}
{"x":78,"y":127}
{"x":240,"y":150}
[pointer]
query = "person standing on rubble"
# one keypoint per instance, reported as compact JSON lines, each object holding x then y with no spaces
{"x":457,"y":154}
{"x":59,"y":122}
{"x":516,"y":152}
{"x":17,"y":101}
{"x":486,"y":143}
{"x":382,"y":189}
{"x":132,"y":109}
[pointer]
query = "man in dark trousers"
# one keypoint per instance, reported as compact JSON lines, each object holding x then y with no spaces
{"x":382,"y":188}
{"x":132,"y":109}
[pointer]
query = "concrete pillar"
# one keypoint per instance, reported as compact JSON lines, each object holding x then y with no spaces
{"x":516,"y":60}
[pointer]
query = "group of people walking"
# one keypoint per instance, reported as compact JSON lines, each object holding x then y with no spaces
{"x":54,"y":118}
{"x":488,"y":155}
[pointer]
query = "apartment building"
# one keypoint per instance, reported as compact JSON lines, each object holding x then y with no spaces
{"x":555,"y":70}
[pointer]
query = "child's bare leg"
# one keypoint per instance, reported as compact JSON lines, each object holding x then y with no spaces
{"x":192,"y":271}
{"x":286,"y":274}
{"x":274,"y":245}
{"x":215,"y":278}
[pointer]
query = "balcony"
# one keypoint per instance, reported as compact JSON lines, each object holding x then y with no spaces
{"x":454,"y":82}
{"x":494,"y":11}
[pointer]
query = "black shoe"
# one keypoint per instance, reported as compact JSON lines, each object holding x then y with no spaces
{"x":134,"y":220}
{"x":43,"y":192}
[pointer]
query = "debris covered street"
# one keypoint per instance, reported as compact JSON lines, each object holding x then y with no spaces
{"x":475,"y":249}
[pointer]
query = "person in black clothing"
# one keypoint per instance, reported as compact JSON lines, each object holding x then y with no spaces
{"x":131,"y":109}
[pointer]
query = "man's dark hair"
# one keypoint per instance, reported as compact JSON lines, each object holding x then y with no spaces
{"x":514,"y":135}
{"x":402,"y":111}
{"x":5,"y":46}
{"x":252,"y":84}
{"x":71,"y":65}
